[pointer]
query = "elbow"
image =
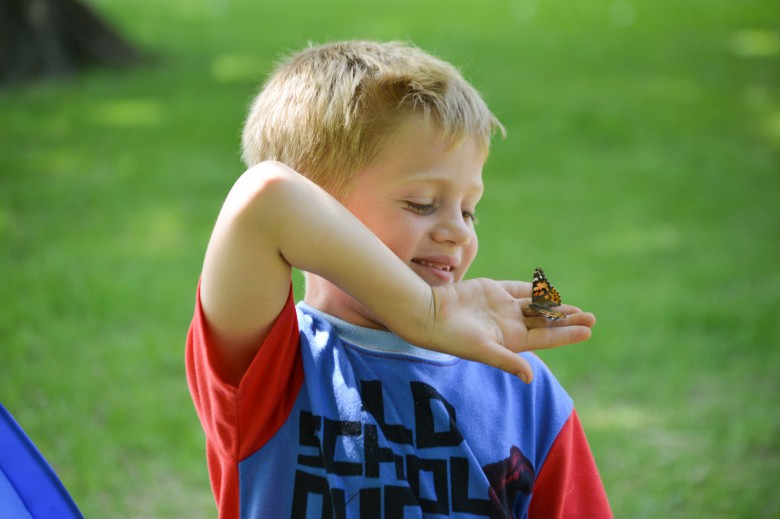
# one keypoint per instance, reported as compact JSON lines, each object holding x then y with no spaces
{"x":266,"y":183}
{"x":258,"y":194}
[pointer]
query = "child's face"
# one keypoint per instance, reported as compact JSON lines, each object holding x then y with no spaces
{"x":419,"y":198}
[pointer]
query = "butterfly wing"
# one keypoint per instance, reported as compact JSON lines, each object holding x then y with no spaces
{"x":548,"y":314}
{"x":544,"y":297}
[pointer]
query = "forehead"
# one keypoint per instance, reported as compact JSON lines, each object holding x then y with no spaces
{"x":468,"y":182}
{"x":414,"y":131}
{"x":416,"y":152}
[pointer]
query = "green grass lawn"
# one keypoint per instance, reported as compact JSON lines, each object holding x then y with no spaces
{"x":641,"y":170}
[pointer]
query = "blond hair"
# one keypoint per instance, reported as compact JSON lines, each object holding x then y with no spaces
{"x":327,"y":110}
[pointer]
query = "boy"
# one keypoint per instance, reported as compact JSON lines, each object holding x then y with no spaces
{"x":395,"y":389}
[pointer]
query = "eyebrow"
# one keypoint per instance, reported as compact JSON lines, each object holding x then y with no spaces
{"x":425,"y":178}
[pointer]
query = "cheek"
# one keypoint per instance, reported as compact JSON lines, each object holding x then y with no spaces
{"x":396,"y":229}
{"x":405,"y":236}
{"x":472,"y":249}
{"x":470,"y":252}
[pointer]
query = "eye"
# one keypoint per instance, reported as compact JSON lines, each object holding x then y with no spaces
{"x":420,"y":208}
{"x":468,"y":215}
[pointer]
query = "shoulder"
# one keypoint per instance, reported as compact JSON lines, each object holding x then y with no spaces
{"x":530,"y":416}
{"x":545,"y":383}
{"x":202,"y":343}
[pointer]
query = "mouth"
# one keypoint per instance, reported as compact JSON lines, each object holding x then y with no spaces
{"x":434,"y":265}
{"x":437,"y":270}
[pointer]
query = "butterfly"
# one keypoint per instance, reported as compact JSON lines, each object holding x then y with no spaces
{"x":544,"y":297}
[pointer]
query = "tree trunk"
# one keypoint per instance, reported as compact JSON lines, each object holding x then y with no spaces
{"x":40,"y":38}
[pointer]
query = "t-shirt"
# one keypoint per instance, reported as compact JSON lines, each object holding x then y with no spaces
{"x":333,"y":420}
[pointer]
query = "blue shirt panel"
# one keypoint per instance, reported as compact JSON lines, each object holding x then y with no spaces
{"x":382,"y":428}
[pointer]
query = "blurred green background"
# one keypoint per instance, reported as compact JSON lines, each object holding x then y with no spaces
{"x":640,"y":170}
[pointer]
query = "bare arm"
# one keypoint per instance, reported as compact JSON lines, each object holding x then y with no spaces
{"x":274,"y":219}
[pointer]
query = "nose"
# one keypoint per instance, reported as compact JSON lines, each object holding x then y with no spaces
{"x":453,"y":228}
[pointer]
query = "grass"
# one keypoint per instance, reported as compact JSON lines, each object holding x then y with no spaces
{"x":641,"y":170}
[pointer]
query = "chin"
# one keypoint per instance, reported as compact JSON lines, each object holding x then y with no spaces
{"x":437,"y":281}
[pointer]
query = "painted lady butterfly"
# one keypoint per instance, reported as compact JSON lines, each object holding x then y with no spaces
{"x":544,"y":297}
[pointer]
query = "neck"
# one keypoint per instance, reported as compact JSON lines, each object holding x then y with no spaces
{"x":327,"y":297}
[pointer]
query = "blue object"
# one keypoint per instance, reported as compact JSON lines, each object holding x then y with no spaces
{"x":29,"y":487}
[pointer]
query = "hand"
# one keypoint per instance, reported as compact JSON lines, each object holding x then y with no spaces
{"x":484,"y":320}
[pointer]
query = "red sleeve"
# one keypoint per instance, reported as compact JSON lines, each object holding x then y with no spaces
{"x":239,"y":420}
{"x":569,"y":485}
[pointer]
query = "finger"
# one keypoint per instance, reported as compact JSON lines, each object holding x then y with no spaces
{"x":579,"y":318}
{"x":552,"y":337}
{"x":518,"y":289}
{"x":505,"y":360}
{"x":567,"y":309}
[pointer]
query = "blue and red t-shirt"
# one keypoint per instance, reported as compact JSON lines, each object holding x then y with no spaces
{"x":336,"y":420}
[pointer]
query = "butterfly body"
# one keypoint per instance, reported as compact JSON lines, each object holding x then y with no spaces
{"x":544,"y":297}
